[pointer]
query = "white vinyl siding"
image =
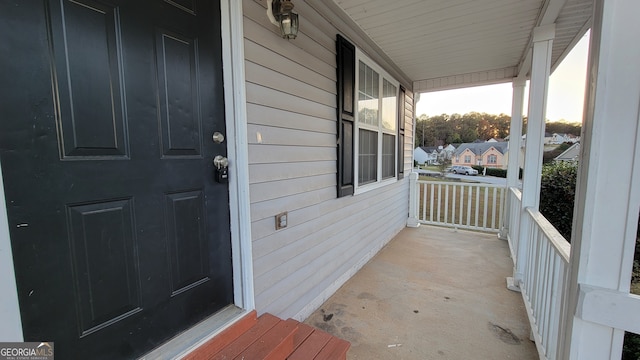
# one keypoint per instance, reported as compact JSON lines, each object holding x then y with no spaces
{"x":291,"y":114}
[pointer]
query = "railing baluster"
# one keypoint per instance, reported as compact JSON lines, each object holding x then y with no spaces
{"x":453,"y":205}
{"x":546,"y":294}
{"x":485,"y":212}
{"x":469,"y":197}
{"x":430,"y":204}
{"x":446,"y":203}
{"x":493,"y":209}
{"x":553,"y":306}
{"x":477,"y":191}
{"x":439,"y":201}
{"x":461,"y":219}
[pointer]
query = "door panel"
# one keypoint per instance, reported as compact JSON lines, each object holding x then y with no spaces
{"x":119,"y":233}
{"x":87,"y":49}
{"x":179,"y":96}
{"x":107,"y":285}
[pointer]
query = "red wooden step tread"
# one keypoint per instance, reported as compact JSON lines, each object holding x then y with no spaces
{"x":275,"y":344}
{"x":265,"y":322}
{"x":335,"y":349}
{"x":302,"y":334}
{"x":312,"y":345}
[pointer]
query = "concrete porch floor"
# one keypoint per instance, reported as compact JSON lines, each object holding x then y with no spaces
{"x":431,"y":293}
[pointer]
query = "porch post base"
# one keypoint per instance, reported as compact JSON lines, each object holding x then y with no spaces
{"x":413,"y":223}
{"x":503,"y":234}
{"x":512,"y":284}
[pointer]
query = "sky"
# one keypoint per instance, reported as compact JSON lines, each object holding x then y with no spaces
{"x":564,"y":102}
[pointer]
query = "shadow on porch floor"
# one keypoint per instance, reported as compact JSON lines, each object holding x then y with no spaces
{"x":431,"y":293}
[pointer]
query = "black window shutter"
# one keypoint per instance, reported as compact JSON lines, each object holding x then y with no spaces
{"x":346,"y":64}
{"x":401,"y":120}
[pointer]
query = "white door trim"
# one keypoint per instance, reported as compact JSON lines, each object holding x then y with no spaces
{"x":238,"y":151}
{"x":11,"y":327}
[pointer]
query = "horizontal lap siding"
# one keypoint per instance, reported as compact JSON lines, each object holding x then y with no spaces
{"x":291,"y":113}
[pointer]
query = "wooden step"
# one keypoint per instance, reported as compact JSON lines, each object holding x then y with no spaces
{"x":315,"y":344}
{"x":264,"y":324}
{"x":276,"y":344}
{"x":270,"y":338}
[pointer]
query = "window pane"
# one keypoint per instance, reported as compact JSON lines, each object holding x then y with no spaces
{"x":367,"y":156}
{"x":389,"y":105}
{"x":368,"y":95}
{"x":388,"y":156}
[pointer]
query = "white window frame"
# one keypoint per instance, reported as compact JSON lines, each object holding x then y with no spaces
{"x":383,"y":75}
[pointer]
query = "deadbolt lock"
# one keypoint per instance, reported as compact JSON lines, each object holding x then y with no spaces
{"x":221,"y":164}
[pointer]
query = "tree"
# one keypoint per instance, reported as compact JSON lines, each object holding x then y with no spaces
{"x":455,"y":128}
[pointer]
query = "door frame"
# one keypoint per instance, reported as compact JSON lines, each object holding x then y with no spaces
{"x":239,"y":205}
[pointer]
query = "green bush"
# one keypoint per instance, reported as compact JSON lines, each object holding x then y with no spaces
{"x":631,"y":348}
{"x":557,"y":193}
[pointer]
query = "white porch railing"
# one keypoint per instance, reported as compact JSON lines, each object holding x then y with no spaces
{"x":543,"y":283}
{"x":539,"y":252}
{"x":514,"y":201}
{"x":472,"y":206}
{"x":546,"y":265}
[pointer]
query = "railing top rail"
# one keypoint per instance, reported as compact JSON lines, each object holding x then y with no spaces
{"x":516,"y":192}
{"x":460,"y":183}
{"x":562,"y":246}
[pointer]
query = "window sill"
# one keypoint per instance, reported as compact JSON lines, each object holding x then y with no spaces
{"x":369,"y":187}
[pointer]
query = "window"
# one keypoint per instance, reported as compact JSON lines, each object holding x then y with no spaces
{"x":467,"y":159}
{"x":376,"y":123}
{"x":370,"y":122}
{"x":492,"y":159}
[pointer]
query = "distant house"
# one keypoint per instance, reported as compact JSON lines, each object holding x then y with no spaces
{"x":571,"y":154}
{"x":446,"y":153}
{"x":562,"y":138}
{"x":488,"y":154}
{"x":426,"y":155}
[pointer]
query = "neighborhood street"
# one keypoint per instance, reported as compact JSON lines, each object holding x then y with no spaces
{"x":478,"y":178}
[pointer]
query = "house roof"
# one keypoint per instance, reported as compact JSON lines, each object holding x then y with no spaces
{"x":571,"y":154}
{"x":429,"y":149}
{"x":447,"y":44}
{"x":481,"y":148}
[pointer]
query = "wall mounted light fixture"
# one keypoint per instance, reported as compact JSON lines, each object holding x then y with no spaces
{"x":280,"y":15}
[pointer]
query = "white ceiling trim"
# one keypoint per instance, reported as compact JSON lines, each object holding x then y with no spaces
{"x":490,"y":77}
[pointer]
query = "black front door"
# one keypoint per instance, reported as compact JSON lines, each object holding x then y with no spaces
{"x":120,"y":234}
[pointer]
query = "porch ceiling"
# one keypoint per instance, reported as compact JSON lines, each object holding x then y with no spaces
{"x":444,"y":44}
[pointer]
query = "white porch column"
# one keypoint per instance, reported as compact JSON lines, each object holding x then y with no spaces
{"x":515,"y":132}
{"x":608,"y":187}
{"x":538,"y":88}
{"x":413,"y":200}
{"x":515,"y":140}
